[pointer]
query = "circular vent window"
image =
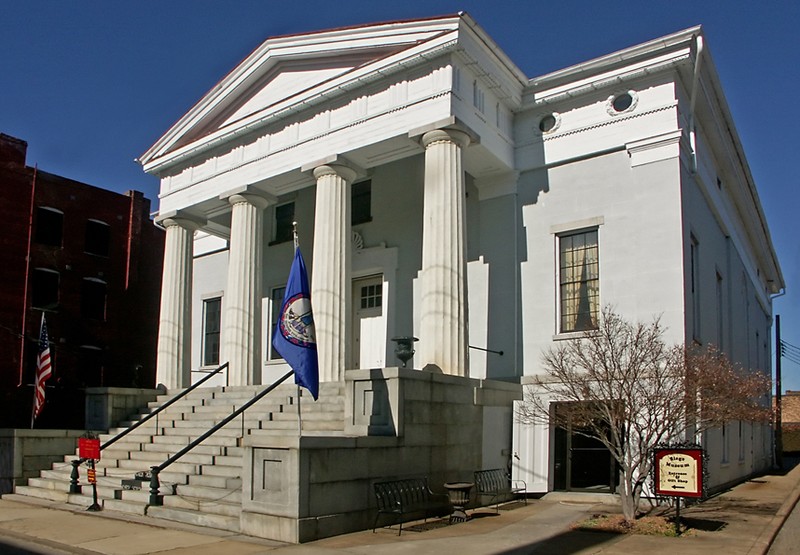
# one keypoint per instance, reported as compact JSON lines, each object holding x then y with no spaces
{"x":621,"y":103}
{"x":549,"y":123}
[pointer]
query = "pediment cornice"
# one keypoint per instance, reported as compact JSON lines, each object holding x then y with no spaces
{"x":310,"y":70}
{"x":359,"y":55}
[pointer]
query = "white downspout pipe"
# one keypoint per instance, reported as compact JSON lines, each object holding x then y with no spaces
{"x":693,"y":100}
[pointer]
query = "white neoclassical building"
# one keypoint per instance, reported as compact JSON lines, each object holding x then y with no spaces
{"x":441,"y":193}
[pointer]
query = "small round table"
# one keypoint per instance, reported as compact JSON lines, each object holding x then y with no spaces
{"x":459,"y":493}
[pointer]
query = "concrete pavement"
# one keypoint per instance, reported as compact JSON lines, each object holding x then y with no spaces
{"x":743,"y":520}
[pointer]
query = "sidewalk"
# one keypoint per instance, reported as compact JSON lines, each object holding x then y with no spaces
{"x":749,"y":516}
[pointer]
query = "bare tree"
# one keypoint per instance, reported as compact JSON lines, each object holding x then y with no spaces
{"x":624,"y":386}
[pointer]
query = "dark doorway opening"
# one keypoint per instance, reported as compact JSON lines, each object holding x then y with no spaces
{"x":580,"y":463}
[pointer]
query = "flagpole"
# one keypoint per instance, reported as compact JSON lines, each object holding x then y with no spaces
{"x":27,"y":276}
{"x":299,"y":393}
{"x":36,"y":377}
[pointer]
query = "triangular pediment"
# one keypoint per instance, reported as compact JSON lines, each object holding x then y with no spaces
{"x":280,"y":82}
{"x":285,"y":72}
{"x":285,"y":81}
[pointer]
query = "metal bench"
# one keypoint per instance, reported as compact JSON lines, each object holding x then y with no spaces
{"x":409,"y":499}
{"x":498,"y":485}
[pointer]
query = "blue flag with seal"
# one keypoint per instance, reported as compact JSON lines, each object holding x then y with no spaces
{"x":294,"y":336}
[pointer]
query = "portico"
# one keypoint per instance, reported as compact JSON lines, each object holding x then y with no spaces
{"x":246,"y":151}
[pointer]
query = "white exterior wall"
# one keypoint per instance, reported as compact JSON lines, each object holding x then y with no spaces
{"x":633,"y":201}
{"x":737,"y":319}
{"x":209,"y":277}
{"x":366,"y":102}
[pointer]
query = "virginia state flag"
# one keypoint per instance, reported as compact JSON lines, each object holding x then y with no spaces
{"x":294,"y":336}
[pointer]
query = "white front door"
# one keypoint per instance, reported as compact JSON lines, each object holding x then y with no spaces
{"x":369,"y":324}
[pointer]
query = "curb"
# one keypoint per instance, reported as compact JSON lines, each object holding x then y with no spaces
{"x":767,"y":536}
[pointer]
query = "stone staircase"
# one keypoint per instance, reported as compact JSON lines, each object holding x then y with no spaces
{"x":203,"y":487}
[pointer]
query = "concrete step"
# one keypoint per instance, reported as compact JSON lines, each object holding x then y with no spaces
{"x":136,"y":466}
{"x":47,"y":483}
{"x":57,"y":475}
{"x":202,"y":449}
{"x":215,"y":506}
{"x":220,"y":440}
{"x":41,"y":493}
{"x":125,"y":506}
{"x":291,"y":425}
{"x":220,"y":522}
{"x":210,"y":493}
{"x":306,"y":416}
{"x":206,"y":424}
{"x":157,"y":457}
{"x":268,"y":434}
{"x":224,"y":460}
{"x":226,"y":471}
{"x":224,"y":482}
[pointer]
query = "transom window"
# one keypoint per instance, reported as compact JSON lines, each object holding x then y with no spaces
{"x":579,"y":281}
{"x":372,"y":296}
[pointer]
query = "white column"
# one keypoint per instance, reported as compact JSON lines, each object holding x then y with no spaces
{"x":443,"y":283}
{"x":241,"y":332}
{"x":330,"y":278}
{"x":173,"y":360}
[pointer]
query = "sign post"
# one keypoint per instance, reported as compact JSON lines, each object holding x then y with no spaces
{"x":89,"y":450}
{"x":679,"y":473}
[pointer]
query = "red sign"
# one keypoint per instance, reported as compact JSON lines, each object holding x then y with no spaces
{"x":89,"y":448}
{"x":91,"y":474}
{"x":679,"y":472}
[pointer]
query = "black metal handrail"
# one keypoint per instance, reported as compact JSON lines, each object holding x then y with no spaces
{"x":155,"y":497}
{"x":155,"y":413}
{"x":74,"y":487}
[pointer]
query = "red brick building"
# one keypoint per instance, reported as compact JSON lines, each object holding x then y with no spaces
{"x":88,"y":259}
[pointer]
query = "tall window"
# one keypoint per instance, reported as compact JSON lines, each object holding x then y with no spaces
{"x":44,"y":288}
{"x":93,"y":299}
{"x":741,"y":440}
{"x":362,"y":203}
{"x":276,"y":303}
{"x":726,"y":443}
{"x":720,"y":313}
{"x":758,"y":351}
{"x":212,"y":316}
{"x":49,"y":226}
{"x":284,"y":220}
{"x":579,"y":281}
{"x":694,"y":273}
{"x":97,"y":237}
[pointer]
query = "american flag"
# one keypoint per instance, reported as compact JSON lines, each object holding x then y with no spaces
{"x":44,"y":369}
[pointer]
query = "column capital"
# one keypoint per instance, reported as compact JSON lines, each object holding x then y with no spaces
{"x":345,"y":172}
{"x":459,"y":138}
{"x":180,"y":218}
{"x":259,"y":199}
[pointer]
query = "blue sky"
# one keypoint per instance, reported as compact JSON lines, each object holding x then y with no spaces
{"x":92,"y":84}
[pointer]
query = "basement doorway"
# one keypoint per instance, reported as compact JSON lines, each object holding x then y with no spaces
{"x":580,"y":463}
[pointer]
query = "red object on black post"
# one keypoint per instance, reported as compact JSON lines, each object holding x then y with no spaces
{"x":89,"y":448}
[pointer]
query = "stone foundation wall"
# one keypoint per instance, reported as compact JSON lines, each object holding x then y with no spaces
{"x":24,"y":453}
{"x":107,"y":406}
{"x":402,"y":423}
